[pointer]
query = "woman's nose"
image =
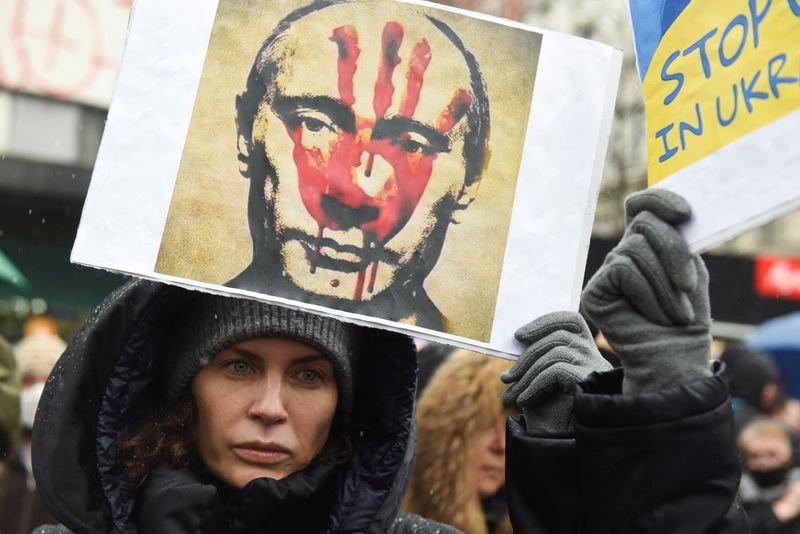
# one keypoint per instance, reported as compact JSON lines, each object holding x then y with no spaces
{"x":268,"y":404}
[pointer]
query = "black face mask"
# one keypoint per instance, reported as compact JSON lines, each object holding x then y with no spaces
{"x":770,"y":477}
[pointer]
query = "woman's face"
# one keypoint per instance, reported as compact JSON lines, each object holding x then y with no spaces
{"x":264,"y":409}
{"x":487,"y":456}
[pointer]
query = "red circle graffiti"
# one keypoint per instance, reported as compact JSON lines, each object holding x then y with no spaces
{"x":42,"y":43}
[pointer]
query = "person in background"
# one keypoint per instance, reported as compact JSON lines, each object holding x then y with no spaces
{"x":9,"y":422}
{"x":754,"y":384}
{"x":40,"y":324}
{"x":9,"y":402}
{"x":459,"y":472}
{"x":770,"y":487}
{"x":757,"y":390}
{"x":790,"y":416}
{"x":21,"y":509}
{"x":36,"y":355}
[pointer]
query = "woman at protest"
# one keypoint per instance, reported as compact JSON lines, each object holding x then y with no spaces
{"x":646,"y":449}
{"x":177,"y":411}
{"x":459,"y":472}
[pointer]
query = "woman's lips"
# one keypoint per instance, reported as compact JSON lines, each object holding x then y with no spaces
{"x":493,"y":471}
{"x":261,"y":453}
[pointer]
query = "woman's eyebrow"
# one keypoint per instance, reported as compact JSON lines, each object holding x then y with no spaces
{"x":254,"y":356}
{"x":309,"y":359}
{"x":244,"y":352}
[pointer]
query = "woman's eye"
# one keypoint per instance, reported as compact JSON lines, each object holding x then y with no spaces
{"x":309,"y":375}
{"x":239,"y":367}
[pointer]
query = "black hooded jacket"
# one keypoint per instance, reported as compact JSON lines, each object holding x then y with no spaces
{"x":109,"y":376}
{"x":662,"y":462}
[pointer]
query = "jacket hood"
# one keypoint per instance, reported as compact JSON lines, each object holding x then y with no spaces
{"x":109,"y":376}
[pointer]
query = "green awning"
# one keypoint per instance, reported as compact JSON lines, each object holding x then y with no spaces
{"x":49,"y":275}
{"x":10,"y":274}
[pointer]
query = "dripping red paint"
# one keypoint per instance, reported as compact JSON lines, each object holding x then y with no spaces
{"x":333,"y":171}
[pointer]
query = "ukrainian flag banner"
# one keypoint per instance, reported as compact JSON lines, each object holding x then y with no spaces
{"x":721,"y":83}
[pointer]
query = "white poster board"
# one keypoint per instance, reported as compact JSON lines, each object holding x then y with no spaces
{"x":721,"y":84}
{"x":397,"y":164}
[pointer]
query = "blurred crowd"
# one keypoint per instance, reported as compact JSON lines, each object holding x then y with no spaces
{"x":767,"y":422}
{"x":24,"y":368}
{"x":459,"y":474}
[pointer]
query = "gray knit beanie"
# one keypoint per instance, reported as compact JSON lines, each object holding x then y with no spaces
{"x":212,"y":323}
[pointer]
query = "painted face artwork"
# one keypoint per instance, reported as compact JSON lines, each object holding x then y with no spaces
{"x":374,"y":120}
{"x":329,"y":155}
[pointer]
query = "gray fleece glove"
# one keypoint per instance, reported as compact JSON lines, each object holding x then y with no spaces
{"x":650,"y":297}
{"x":561,"y":352}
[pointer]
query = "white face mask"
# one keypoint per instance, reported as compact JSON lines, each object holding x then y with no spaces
{"x":28,"y":401}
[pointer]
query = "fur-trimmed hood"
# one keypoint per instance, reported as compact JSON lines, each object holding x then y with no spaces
{"x":107,"y":379}
{"x":463,"y":398}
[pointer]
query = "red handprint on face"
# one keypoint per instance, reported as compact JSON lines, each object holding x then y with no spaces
{"x":335,"y":149}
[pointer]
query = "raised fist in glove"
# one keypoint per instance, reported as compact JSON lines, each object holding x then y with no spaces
{"x":650,"y":297}
{"x":560,"y":353}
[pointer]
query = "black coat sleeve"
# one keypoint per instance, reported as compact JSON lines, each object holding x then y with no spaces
{"x":764,"y":521}
{"x":541,"y":480}
{"x":661,"y":462}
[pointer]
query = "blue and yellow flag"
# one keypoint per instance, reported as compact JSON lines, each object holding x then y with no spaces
{"x":713,"y":71}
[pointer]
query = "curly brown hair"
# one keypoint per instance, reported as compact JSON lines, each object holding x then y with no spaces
{"x":464,"y":396}
{"x":167,"y":435}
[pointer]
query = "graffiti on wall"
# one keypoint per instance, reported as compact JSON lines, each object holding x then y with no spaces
{"x":66,"y":49}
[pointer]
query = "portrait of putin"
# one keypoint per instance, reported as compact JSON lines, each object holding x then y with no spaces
{"x":364,"y":132}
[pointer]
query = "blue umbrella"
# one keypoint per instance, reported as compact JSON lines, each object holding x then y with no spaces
{"x":780,"y":338}
{"x":781,"y":333}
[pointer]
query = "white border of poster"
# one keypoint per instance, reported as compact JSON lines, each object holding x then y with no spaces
{"x":565,"y":144}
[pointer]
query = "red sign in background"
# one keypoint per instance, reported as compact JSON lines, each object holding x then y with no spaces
{"x":777,"y":277}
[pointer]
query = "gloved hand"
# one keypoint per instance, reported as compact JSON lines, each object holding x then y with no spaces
{"x":561,"y":352}
{"x":650,"y":297}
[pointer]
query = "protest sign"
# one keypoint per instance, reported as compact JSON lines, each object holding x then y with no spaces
{"x":393,"y":163}
{"x":721,"y":82}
